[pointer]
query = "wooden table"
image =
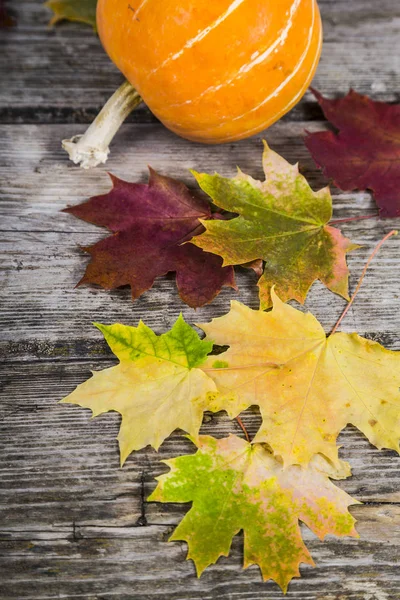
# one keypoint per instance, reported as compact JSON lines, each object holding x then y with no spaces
{"x":73,"y":524}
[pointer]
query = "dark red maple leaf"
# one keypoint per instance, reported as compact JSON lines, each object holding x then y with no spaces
{"x":365,"y":153}
{"x":151,"y":222}
{"x":5,"y":19}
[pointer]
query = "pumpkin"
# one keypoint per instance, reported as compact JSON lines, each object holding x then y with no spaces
{"x":214,"y":71}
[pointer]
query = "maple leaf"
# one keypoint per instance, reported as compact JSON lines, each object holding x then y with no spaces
{"x":308,"y":387}
{"x":365,"y":154}
{"x":238,"y":486}
{"x":83,"y":11}
{"x":5,"y":19}
{"x":281,"y":221}
{"x":152,"y":221}
{"x":157,"y":386}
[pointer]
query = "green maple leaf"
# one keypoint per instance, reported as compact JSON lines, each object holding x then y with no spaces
{"x":236,"y":486}
{"x":281,"y":221}
{"x":83,"y":11}
{"x":157,"y":386}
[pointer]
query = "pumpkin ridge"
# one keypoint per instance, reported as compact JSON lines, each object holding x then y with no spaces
{"x":197,"y":38}
{"x":248,"y":132}
{"x":292,"y":102}
{"x":288,"y":78}
{"x":139,"y":8}
{"x":279,"y":41}
{"x":244,"y":69}
{"x":299,"y":64}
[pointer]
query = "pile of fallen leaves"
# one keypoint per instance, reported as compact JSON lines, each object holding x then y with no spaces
{"x":307,"y":386}
{"x":281,"y":232}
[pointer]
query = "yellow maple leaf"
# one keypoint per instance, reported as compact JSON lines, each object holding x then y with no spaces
{"x":157,"y":387}
{"x":308,"y":386}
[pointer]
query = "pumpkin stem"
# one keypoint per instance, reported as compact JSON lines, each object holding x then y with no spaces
{"x":91,"y":149}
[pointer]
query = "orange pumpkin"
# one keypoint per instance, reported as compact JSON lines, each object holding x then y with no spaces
{"x":211,"y":70}
{"x":214,"y":70}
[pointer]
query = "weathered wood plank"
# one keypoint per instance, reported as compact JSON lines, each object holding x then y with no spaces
{"x":60,"y":466}
{"x":44,"y":316}
{"x":36,"y":172}
{"x":53,"y":319}
{"x":63,"y":74}
{"x":56,"y":481}
{"x":105,"y":563}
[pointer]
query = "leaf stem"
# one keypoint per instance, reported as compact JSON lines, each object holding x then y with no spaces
{"x":374,"y":253}
{"x":92,"y":148}
{"x":336,"y":221}
{"x":239,"y":420}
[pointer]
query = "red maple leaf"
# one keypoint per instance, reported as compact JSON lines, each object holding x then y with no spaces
{"x":151,"y":223}
{"x":5,"y":19}
{"x":365,"y":153}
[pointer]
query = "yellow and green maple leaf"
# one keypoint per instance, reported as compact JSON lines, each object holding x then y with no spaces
{"x":157,"y":386}
{"x":236,"y":486}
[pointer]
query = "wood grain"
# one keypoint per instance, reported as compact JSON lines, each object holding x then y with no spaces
{"x":43,"y":262}
{"x":64,"y":501}
{"x":72,"y":523}
{"x":136,"y":563}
